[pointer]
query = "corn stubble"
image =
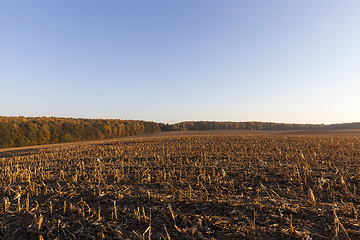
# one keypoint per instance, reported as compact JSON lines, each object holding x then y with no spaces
{"x":194,"y":187}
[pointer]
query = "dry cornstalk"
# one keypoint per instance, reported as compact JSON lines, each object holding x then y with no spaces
{"x":115,"y":210}
{"x":311,"y":197}
{"x":337,"y":221}
{"x":167,"y":233}
{"x":6,"y":204}
{"x":291,"y":229}
{"x":39,"y":222}
{"x":253,"y":223}
{"x":27,"y":203}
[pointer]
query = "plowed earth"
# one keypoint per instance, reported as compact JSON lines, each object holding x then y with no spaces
{"x":184,"y":187}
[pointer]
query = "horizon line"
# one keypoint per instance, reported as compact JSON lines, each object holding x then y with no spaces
{"x":184,"y":121}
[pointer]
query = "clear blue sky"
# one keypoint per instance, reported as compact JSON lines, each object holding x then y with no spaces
{"x":171,"y":61}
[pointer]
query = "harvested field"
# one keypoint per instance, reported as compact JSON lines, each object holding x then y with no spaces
{"x":334,"y":133}
{"x":184,"y":187}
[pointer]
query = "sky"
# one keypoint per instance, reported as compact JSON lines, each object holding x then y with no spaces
{"x":186,"y":60}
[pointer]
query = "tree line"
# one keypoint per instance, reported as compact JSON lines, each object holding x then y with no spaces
{"x":26,"y":131}
{"x":211,"y":125}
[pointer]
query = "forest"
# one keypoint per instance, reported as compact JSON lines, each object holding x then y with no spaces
{"x":212,"y":125}
{"x":27,"y":131}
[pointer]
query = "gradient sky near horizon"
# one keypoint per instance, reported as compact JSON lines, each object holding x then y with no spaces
{"x":172,"y":61}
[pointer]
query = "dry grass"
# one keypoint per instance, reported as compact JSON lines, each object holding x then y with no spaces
{"x":185,"y":187}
